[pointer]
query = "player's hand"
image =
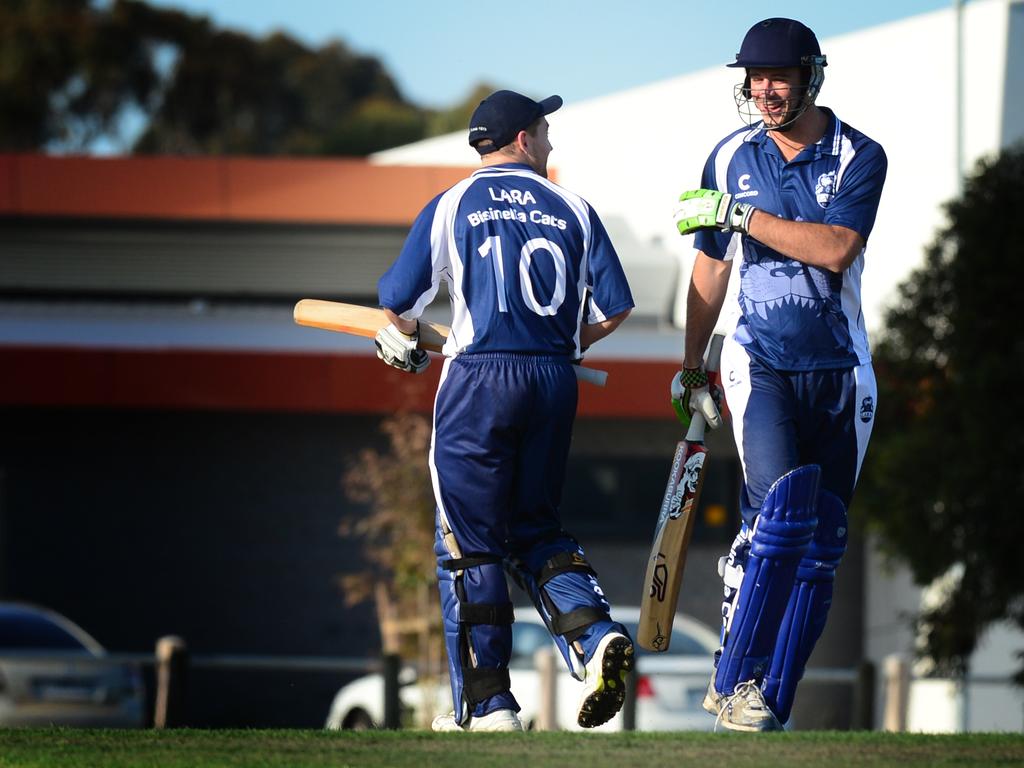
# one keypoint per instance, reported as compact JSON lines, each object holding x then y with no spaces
{"x":709,"y":208}
{"x":399,"y":349}
{"x":691,"y":394}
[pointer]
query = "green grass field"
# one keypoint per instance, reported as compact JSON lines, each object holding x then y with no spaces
{"x":62,"y":748}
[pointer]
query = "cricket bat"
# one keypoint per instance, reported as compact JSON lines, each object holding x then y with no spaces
{"x":366,"y":321}
{"x":672,"y":532}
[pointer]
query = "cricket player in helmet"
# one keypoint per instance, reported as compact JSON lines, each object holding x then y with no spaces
{"x":792,"y":197}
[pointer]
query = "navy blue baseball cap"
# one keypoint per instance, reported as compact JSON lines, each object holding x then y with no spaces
{"x":502,"y":115}
{"x":779,"y":43}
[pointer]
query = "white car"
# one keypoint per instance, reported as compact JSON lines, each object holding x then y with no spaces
{"x":669,"y":685}
{"x":52,"y":672}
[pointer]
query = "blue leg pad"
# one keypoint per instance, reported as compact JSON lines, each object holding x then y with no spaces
{"x":809,"y":603}
{"x":782,"y":532}
{"x":473,"y":646}
{"x":572,"y":595}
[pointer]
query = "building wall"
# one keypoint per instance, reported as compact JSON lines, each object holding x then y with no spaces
{"x":222,"y":527}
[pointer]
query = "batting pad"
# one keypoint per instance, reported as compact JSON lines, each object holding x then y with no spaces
{"x":808,"y":607}
{"x":782,"y":533}
{"x":477,"y":618}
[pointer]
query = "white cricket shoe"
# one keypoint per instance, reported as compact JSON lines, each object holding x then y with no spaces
{"x":604,"y":686}
{"x":746,"y":710}
{"x":712,"y":698}
{"x":496,"y":721}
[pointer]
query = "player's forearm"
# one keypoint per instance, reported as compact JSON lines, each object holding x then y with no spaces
{"x":407,"y":327}
{"x":708,"y":285}
{"x":591,"y":332}
{"x":822,"y":245}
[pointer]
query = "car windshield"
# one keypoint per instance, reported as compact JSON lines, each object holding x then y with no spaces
{"x":527,"y":637}
{"x":682,"y":644}
{"x":22,"y":630}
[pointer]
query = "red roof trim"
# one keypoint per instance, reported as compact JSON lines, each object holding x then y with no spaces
{"x":229,"y":380}
{"x":336,"y":191}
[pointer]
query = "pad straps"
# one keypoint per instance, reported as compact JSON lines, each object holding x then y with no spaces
{"x":563,"y":562}
{"x":482,"y":683}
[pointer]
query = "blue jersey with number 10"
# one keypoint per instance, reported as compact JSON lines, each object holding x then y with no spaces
{"x":526,"y":263}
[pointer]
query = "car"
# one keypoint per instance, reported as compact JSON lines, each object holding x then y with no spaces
{"x":52,"y":672}
{"x":669,"y":685}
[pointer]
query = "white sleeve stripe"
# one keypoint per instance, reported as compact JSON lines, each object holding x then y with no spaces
{"x":440,"y":235}
{"x":597,"y":315}
{"x":846,"y":155}
{"x":723,"y":157}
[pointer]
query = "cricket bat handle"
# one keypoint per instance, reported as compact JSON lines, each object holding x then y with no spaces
{"x":698,"y":425}
{"x":591,"y":375}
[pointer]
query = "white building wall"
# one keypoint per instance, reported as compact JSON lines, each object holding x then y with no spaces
{"x":631,"y":153}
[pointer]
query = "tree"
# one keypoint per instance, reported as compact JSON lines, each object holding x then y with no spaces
{"x":943,"y":482}
{"x":70,"y":70}
{"x":457,"y":117}
{"x":397,"y":530}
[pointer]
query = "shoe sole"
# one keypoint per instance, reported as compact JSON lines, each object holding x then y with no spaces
{"x":610,"y":693}
{"x":730,"y":726}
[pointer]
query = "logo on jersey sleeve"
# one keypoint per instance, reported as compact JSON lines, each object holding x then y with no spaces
{"x":825,"y":189}
{"x":743,"y":182}
{"x":867,"y":409}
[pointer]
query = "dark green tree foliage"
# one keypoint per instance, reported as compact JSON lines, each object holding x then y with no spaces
{"x":67,"y":72}
{"x":944,"y":479}
{"x":228,"y":93}
{"x":70,"y":69}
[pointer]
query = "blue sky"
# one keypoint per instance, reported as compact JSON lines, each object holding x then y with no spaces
{"x":437,"y":51}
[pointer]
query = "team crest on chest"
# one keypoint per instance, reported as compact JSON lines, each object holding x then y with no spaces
{"x":825,"y":189}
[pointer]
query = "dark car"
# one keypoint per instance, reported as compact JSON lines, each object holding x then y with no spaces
{"x":52,"y":672}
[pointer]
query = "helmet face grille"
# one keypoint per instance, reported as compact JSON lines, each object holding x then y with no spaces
{"x":805,"y":94}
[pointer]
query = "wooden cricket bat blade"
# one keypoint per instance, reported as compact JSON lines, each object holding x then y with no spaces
{"x":674,"y":528}
{"x":358,"y":320}
{"x":672,"y":534}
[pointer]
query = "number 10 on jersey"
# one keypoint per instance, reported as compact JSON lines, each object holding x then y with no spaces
{"x":492,"y":247}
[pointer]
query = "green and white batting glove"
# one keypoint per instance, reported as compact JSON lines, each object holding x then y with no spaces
{"x":400,"y":350}
{"x":691,"y":393}
{"x":706,"y":208}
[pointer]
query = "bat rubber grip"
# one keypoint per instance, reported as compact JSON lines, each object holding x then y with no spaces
{"x":591,"y":375}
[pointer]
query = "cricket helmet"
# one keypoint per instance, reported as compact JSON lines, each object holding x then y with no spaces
{"x":780,"y":42}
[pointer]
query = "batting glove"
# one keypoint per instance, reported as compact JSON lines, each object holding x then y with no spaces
{"x":399,"y":350}
{"x":706,"y":208}
{"x":691,"y":393}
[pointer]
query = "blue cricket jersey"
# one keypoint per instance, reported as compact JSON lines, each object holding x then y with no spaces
{"x":794,"y":316}
{"x":526,"y":262}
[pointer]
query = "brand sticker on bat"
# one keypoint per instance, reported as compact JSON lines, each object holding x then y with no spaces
{"x":687,"y":486}
{"x":659,"y":582}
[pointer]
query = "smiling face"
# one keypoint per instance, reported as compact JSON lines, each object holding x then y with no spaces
{"x":778,"y":93}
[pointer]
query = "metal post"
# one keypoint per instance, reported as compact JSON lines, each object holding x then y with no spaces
{"x":629,"y":705}
{"x":964,"y":702}
{"x":392,"y":704}
{"x":864,"y":698}
{"x":959,"y":18}
{"x":171,"y":667}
